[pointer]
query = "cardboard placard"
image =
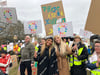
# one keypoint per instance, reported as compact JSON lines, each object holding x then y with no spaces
{"x":93,"y":20}
{"x":14,"y":61}
{"x":52,"y":12}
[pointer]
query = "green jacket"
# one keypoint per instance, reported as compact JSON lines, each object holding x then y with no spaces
{"x":27,"y":52}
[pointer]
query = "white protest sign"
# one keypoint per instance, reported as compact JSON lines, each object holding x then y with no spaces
{"x":33,"y":27}
{"x":85,"y":34}
{"x":10,"y":47}
{"x":8,"y":15}
{"x":63,"y":29}
{"x":23,"y":40}
{"x":33,"y":40}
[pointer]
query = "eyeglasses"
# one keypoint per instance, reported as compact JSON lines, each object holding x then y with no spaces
{"x":97,"y":46}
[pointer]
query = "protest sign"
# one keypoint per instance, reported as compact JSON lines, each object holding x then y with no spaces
{"x":93,"y":19}
{"x":52,"y":12}
{"x":10,"y":47}
{"x":63,"y":29}
{"x":14,"y":61}
{"x":33,"y":40}
{"x":8,"y":15}
{"x":85,"y":34}
{"x":33,"y":27}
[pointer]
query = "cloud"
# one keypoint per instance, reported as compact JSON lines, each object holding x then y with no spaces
{"x":75,"y":10}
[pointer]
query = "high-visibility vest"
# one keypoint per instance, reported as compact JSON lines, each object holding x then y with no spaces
{"x":15,"y":47}
{"x":95,"y":71}
{"x":36,"y":48}
{"x":67,"y":43}
{"x":74,"y":60}
{"x":5,"y":48}
{"x":19,"y":51}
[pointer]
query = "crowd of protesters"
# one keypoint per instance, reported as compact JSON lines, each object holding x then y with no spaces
{"x":55,"y":56}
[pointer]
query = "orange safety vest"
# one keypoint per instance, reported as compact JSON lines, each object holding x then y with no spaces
{"x":16,"y":47}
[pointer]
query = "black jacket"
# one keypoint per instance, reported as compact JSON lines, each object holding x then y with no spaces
{"x":47,"y":65}
{"x":84,"y":54}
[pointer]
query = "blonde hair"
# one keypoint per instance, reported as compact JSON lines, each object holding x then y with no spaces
{"x":43,"y":49}
{"x":62,"y":46}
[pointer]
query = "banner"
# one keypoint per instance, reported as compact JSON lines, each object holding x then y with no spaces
{"x":33,"y":27}
{"x":8,"y":15}
{"x":52,"y":12}
{"x":63,"y":29}
{"x":85,"y":34}
{"x":93,"y":19}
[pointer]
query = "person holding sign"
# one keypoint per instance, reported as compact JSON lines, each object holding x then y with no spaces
{"x":78,"y":59}
{"x":47,"y":60}
{"x":94,"y":60}
{"x":62,"y":50}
